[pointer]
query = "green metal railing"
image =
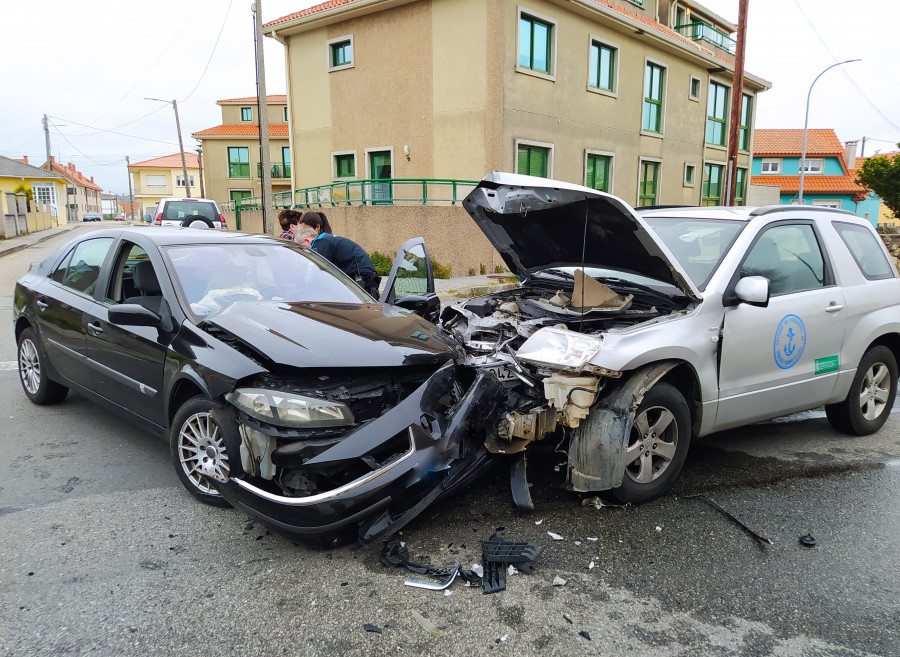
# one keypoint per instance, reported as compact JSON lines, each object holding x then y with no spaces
{"x":703,"y":32}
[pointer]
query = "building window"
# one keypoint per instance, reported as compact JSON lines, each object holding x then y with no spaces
{"x":711,"y":193}
{"x":340,"y":53}
{"x":344,"y":165}
{"x":648,"y":187}
{"x":535,"y":44}
{"x":602,"y":67}
{"x":653,"y":97}
{"x":156,"y":181}
{"x":285,"y":115}
{"x":813,"y":166}
{"x":238,"y":194}
{"x":44,"y":193}
{"x":740,"y":187}
{"x":285,"y":161}
{"x":694,"y":93}
{"x":533,"y":160}
{"x":597,"y":170}
{"x":744,"y":128}
{"x":716,"y":112}
{"x":179,"y":180}
{"x":238,"y":162}
{"x":690,"y":174}
{"x":380,"y":164}
{"x":770,"y":166}
{"x":246,"y":114}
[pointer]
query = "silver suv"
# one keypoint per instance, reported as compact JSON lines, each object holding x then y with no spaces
{"x":635,"y":330}
{"x":189,"y":212}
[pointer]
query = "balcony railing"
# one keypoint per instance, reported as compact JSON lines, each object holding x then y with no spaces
{"x":390,"y":191}
{"x":279,"y":171}
{"x":703,"y":32}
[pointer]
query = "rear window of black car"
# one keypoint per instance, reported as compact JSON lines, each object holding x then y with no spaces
{"x":213,"y":276}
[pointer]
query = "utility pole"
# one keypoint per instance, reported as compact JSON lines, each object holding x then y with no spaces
{"x":187,"y":182}
{"x":862,"y":151}
{"x":737,"y":98}
{"x":130,"y":194}
{"x":200,"y":166}
{"x":263,"y":116}
{"x":47,"y":141}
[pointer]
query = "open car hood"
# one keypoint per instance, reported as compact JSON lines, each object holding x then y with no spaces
{"x":324,"y":334}
{"x":536,"y":223}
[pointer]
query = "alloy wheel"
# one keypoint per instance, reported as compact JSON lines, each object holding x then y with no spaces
{"x":201,"y":451}
{"x":29,"y":366}
{"x":875,"y":391}
{"x":652,"y":444}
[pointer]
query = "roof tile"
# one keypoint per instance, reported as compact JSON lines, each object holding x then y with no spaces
{"x":790,"y":142}
{"x":242,"y":130}
{"x":271,"y":99}
{"x":172,"y":161}
{"x":815,"y":184}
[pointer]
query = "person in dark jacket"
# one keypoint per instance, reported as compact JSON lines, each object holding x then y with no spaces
{"x":345,"y":254}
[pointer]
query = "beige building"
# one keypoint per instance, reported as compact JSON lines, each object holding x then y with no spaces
{"x":163,"y":177}
{"x":231,"y":155}
{"x":628,"y":96}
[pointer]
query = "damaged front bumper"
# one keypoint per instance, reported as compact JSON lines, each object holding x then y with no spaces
{"x":432,"y":447}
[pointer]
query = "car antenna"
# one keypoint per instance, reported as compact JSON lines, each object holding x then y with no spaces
{"x":583,"y":247}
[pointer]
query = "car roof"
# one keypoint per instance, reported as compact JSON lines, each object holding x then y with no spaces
{"x":740,"y":213}
{"x":167,"y":236}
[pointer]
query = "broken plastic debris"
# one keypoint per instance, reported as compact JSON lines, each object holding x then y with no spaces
{"x":439,"y":585}
{"x":559,"y":581}
{"x":568,"y":620}
{"x":512,"y":571}
{"x":658,"y":528}
{"x":591,"y":566}
{"x":538,"y":522}
{"x":368,"y":627}
{"x":598,"y":503}
{"x":448,"y":592}
{"x":503,"y":638}
{"x":498,"y":554}
{"x":555,"y":537}
{"x":808,"y":540}
{"x":427,"y":625}
{"x":585,"y":634}
{"x":758,"y":537}
{"x":577,"y":542}
{"x":477,"y":569}
{"x":594,"y":538}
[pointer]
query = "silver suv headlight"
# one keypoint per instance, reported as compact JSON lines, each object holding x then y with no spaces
{"x":559,"y":347}
{"x":289,"y":410}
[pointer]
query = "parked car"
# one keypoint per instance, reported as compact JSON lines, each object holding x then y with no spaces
{"x":278,"y":382}
{"x":120,"y":216}
{"x":189,"y":212}
{"x":635,"y":330}
{"x":91,"y":216}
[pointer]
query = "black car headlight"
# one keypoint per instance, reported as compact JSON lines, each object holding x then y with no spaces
{"x":289,"y":410}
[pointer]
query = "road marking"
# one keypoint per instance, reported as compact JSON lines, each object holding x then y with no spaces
{"x":9,"y":365}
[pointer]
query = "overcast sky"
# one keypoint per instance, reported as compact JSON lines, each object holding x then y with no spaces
{"x":88,"y":65}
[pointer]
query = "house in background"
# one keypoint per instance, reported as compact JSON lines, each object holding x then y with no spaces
{"x":82,"y":193}
{"x":827,"y":179}
{"x":163,"y":177}
{"x":626,"y":96}
{"x":231,"y":156}
{"x":48,"y":197}
{"x":885,"y":216}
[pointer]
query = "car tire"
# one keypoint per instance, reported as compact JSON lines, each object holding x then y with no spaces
{"x":869,"y":401}
{"x":656,"y":446}
{"x":195,"y":440}
{"x":33,"y":371}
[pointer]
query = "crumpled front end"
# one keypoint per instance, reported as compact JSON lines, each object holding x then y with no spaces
{"x":361,"y":448}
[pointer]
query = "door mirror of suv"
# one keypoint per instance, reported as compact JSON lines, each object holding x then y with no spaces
{"x":753,"y":290}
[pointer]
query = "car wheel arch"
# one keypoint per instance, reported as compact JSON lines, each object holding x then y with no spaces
{"x":183,"y":390}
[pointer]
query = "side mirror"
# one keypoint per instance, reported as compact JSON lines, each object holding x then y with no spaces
{"x":132,"y":314}
{"x":753,"y":290}
{"x":426,"y":306}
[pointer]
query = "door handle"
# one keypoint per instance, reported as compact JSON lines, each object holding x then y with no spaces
{"x":95,"y":328}
{"x":42,"y":305}
{"x":834,"y":307}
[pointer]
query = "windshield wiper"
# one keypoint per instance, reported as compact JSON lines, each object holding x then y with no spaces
{"x":638,"y":287}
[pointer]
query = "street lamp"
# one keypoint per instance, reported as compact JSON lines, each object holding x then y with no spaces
{"x":806,"y":123}
{"x":187,"y":181}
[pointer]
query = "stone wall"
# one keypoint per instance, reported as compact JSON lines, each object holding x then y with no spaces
{"x":892,"y":242}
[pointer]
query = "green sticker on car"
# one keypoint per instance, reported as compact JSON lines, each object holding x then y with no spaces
{"x":826,"y":365}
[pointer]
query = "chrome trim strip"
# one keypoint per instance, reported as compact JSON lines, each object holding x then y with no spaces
{"x":340,"y":490}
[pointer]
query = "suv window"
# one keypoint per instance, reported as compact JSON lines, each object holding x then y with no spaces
{"x":180,"y":210}
{"x":865,"y":249}
{"x":697,"y":244}
{"x":81,"y":270}
{"x":789,"y":256}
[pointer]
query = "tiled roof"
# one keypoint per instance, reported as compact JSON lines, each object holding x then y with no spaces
{"x":274,"y":99}
{"x":172,"y":161}
{"x":815,"y":184}
{"x":790,"y":142}
{"x":242,"y":130}
{"x":19,"y":169}
{"x":331,"y":4}
{"x":890,"y":156}
{"x":72,"y":174}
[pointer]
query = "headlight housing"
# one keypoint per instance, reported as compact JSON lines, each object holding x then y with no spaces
{"x":561,"y":348}
{"x":289,"y":410}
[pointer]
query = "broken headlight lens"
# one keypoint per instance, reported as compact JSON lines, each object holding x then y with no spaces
{"x":565,"y":349}
{"x":289,"y":410}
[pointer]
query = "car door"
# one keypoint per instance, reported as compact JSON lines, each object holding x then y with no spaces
{"x":63,"y":301}
{"x":410,"y":284}
{"x":777,"y":359}
{"x":127,"y":362}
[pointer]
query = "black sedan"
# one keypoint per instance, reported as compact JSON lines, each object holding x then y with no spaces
{"x":281,"y":386}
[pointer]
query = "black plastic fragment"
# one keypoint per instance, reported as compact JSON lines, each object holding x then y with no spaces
{"x":758,"y":537}
{"x":518,"y":480}
{"x":494,"y":577}
{"x":498,"y":554}
{"x":368,"y":627}
{"x":395,"y":555}
{"x":568,"y":620}
{"x":585,"y":634}
{"x":808,"y":540}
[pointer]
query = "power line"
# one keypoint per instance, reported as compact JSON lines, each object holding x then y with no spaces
{"x":71,"y":144}
{"x":215,"y":45}
{"x":122,"y":134}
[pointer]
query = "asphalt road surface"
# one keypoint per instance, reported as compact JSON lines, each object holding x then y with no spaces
{"x":104,"y":553}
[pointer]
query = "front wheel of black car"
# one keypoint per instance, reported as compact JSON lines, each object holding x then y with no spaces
{"x":33,"y":371}
{"x":871,"y":396}
{"x":656,"y":447}
{"x":198,"y":446}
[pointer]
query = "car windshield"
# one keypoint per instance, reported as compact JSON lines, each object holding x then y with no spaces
{"x":697,"y":244}
{"x":213,"y":276}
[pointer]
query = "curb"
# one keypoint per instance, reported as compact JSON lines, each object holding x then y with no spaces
{"x":21,"y":246}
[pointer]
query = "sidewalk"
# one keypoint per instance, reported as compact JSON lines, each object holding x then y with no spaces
{"x":14,"y":244}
